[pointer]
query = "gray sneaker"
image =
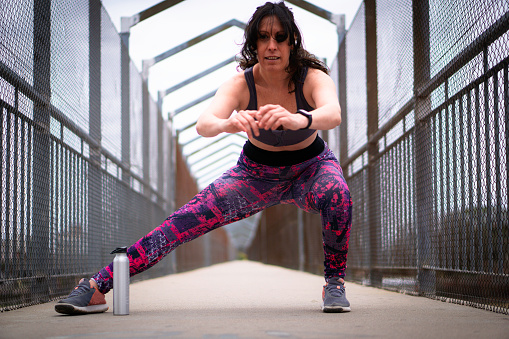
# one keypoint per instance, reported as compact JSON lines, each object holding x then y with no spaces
{"x":334,"y":296}
{"x":83,"y":299}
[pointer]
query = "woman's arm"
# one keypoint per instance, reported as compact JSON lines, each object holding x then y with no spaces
{"x":218,"y":117}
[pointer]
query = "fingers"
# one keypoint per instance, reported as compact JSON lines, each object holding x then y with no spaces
{"x":270,"y":117}
{"x":245,"y":121}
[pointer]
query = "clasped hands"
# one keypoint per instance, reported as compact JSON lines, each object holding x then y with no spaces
{"x":268,"y":117}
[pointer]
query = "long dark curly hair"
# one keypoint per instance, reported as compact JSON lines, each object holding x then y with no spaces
{"x":299,"y":57}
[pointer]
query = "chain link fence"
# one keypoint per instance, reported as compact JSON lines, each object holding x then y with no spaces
{"x":88,"y":164}
{"x":427,"y":124}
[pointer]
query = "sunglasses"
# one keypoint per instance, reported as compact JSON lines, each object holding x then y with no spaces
{"x":280,"y":37}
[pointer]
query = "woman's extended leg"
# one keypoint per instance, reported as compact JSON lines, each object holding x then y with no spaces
{"x":232,"y":197}
{"x":239,"y":193}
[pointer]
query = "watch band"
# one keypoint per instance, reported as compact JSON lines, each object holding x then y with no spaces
{"x":307,"y":115}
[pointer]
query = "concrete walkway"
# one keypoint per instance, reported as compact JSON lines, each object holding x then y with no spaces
{"x":243,"y":299}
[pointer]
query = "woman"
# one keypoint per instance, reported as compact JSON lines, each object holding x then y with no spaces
{"x":280,"y":100}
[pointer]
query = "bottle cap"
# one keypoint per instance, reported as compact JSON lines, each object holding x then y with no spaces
{"x":119,"y":250}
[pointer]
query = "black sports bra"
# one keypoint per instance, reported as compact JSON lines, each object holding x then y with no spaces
{"x":279,"y":137}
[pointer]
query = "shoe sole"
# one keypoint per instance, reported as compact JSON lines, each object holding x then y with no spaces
{"x":335,"y":309}
{"x":72,"y":309}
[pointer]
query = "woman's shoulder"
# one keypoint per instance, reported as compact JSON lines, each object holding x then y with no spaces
{"x":236,"y":82}
{"x":316,"y":79}
{"x":236,"y":86}
{"x":315,"y":74}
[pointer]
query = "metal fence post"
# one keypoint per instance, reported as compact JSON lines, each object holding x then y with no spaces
{"x":300,"y":232}
{"x":172,"y":170}
{"x":41,"y":150}
{"x":372,"y":106}
{"x":146,"y":130}
{"x":343,"y":129}
{"x":422,"y":146}
{"x":160,"y":157}
{"x":95,"y":218}
{"x":125,"y":75}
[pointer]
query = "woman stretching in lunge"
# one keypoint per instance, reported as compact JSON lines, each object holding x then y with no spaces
{"x":282,"y":97}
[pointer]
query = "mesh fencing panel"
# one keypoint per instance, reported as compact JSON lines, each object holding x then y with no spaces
{"x":136,"y":120}
{"x":69,"y":69}
{"x":356,"y":82}
{"x":430,"y":185}
{"x":394,"y":49}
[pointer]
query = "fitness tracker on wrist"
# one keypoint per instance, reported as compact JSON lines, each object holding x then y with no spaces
{"x":307,"y":115}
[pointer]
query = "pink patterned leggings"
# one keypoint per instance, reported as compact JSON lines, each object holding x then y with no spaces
{"x":316,"y":185}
